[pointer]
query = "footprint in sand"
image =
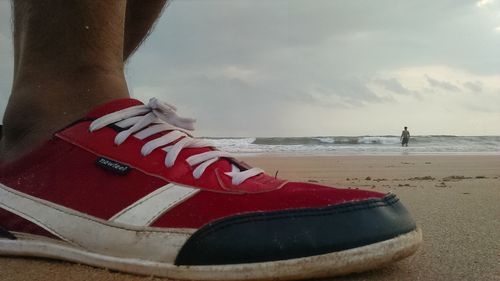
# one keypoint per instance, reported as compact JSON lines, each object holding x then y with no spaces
{"x":441,"y":184}
{"x":456,"y":178}
{"x":425,"y":178}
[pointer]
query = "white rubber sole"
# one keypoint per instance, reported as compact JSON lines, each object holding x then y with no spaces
{"x":327,"y":265}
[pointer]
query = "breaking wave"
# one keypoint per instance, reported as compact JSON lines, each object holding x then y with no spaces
{"x":328,"y":140}
{"x":384,"y":144}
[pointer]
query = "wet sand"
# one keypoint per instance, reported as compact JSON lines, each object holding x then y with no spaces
{"x":455,"y":200}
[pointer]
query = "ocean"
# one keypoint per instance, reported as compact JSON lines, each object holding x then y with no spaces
{"x":360,"y":145}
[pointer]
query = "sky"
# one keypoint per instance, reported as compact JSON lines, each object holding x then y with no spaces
{"x":318,"y":68}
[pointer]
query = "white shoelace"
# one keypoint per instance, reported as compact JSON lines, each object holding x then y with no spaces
{"x":146,"y":120}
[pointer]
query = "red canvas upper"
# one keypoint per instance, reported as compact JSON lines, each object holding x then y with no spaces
{"x":63,"y":171}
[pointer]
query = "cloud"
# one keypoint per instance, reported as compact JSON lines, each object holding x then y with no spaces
{"x":444,"y":85}
{"x":393,"y":85}
{"x":239,"y":73}
{"x":355,"y":92}
{"x":475,"y":86}
{"x":465,"y":102}
{"x":343,"y":93}
{"x":482,"y":3}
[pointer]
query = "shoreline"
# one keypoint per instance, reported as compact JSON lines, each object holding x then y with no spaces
{"x":334,"y":169}
{"x":381,"y":154}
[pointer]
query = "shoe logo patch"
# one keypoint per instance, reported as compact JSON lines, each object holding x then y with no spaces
{"x":112,"y":166}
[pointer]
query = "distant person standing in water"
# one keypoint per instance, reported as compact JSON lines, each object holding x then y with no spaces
{"x":405,"y":137}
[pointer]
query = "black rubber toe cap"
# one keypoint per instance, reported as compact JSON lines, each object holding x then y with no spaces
{"x":270,"y":236}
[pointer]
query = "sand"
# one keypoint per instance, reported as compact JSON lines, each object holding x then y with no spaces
{"x":454,"y":199}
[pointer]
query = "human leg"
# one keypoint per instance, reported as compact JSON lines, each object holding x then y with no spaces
{"x":68,"y":57}
{"x":95,"y":71}
{"x":139,"y":20}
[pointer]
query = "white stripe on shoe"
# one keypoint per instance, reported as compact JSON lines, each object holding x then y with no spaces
{"x":96,"y":235}
{"x":147,"y":209}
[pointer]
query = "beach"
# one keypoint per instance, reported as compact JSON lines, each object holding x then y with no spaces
{"x":454,"y":199}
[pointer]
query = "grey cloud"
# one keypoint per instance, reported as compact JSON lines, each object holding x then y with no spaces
{"x":393,"y":85}
{"x":475,"y":86}
{"x":224,"y":106}
{"x":445,"y":85}
{"x":377,"y":34}
{"x":355,"y":92}
{"x":340,"y":93}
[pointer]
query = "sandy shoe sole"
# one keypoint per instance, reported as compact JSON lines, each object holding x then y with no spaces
{"x":327,"y":265}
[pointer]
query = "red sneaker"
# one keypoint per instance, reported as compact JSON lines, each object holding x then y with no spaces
{"x":128,"y":188}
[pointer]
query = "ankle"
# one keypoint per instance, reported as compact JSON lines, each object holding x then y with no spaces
{"x":40,"y":106}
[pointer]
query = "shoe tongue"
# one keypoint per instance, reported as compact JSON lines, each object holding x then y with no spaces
{"x":111,"y":107}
